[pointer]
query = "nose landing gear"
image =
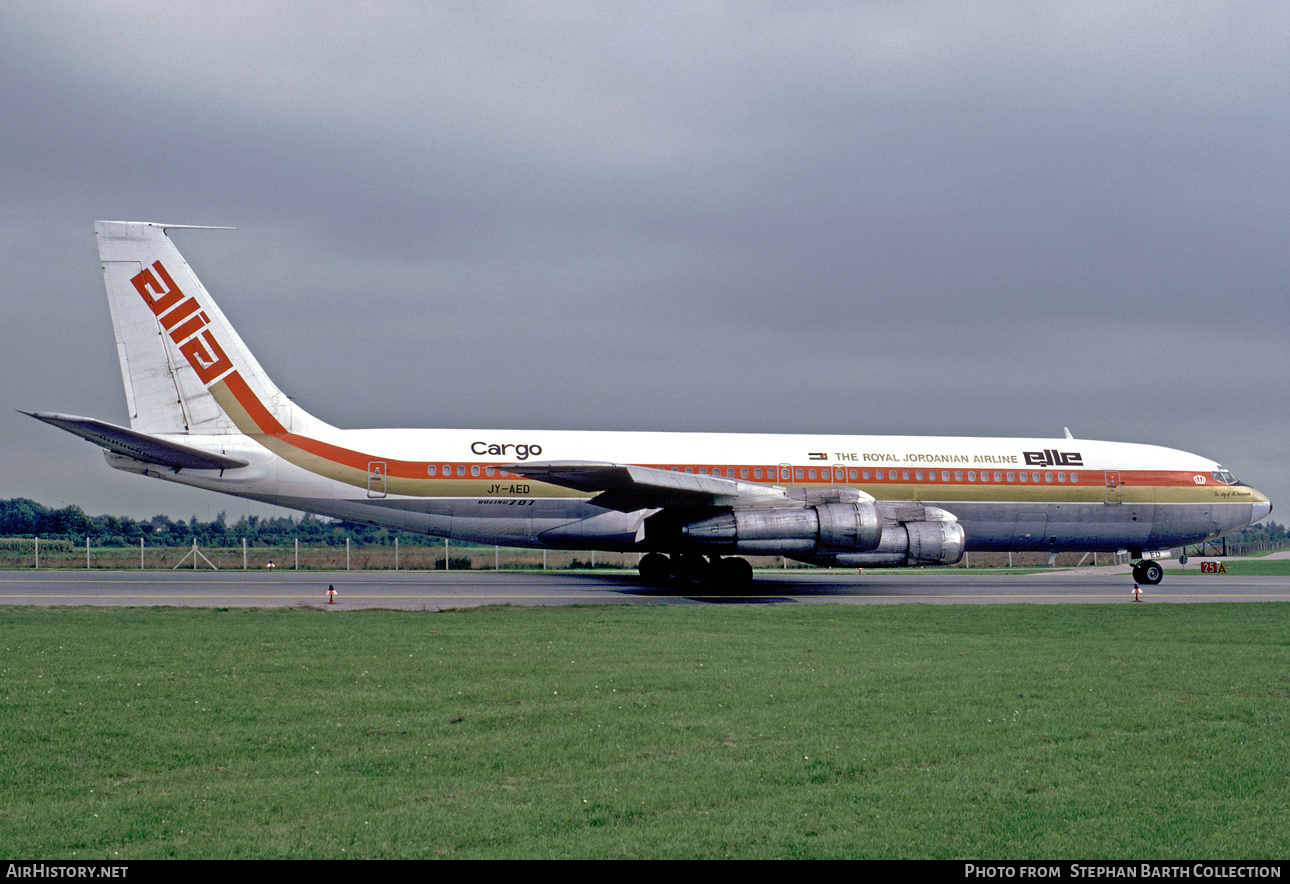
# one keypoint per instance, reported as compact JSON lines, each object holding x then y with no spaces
{"x":1148,"y":572}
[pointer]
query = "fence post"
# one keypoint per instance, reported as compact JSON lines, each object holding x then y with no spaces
{"x":38,"y":553}
{"x":87,"y":553}
{"x":243,"y":553}
{"x":297,"y":553}
{"x":140,"y":553}
{"x":346,"y":553}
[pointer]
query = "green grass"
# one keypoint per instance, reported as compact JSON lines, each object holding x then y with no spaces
{"x":1129,"y":731}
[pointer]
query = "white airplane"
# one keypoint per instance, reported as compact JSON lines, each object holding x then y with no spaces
{"x":204,"y":413}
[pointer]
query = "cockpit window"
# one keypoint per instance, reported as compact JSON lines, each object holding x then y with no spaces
{"x":1222,"y":475}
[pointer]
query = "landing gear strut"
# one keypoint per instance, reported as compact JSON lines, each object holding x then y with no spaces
{"x":712,"y":574}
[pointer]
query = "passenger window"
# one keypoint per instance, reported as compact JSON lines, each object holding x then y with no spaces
{"x":757,"y":473}
{"x":958,"y":475}
{"x":461,"y":469}
{"x":743,"y":472}
{"x":430,"y":470}
{"x":1048,"y":477}
{"x":971,"y":475}
{"x":799,"y":473}
{"x":998,"y":476}
{"x":1012,"y":477}
{"x":474,"y":470}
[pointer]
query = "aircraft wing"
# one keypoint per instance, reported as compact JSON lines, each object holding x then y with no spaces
{"x":140,"y":446}
{"x":629,"y":488}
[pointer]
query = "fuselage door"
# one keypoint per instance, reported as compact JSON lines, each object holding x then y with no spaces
{"x":376,"y":478}
{"x":1112,"y":486}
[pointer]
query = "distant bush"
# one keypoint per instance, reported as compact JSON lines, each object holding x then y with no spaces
{"x":26,"y":544}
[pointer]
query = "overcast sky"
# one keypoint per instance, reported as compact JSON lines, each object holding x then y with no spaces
{"x":926,"y":218}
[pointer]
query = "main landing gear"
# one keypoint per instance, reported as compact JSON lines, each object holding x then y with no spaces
{"x":1148,"y":572}
{"x":691,"y":571}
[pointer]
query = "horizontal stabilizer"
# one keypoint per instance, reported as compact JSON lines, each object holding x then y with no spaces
{"x":629,"y":488}
{"x":139,"y":446}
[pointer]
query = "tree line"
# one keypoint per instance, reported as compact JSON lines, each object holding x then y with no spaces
{"x":20,"y":517}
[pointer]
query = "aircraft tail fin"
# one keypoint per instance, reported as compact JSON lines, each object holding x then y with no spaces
{"x":184,"y":368}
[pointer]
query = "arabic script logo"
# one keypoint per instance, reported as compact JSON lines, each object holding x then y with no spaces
{"x":185,"y":321}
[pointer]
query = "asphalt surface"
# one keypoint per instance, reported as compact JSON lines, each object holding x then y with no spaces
{"x":421,"y":590}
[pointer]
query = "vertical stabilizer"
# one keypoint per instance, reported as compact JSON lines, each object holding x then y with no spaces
{"x":173,"y":341}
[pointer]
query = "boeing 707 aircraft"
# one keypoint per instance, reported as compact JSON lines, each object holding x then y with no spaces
{"x":204,"y":413}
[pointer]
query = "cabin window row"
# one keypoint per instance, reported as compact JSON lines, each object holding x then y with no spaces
{"x":840,"y":474}
{"x":447,"y":469}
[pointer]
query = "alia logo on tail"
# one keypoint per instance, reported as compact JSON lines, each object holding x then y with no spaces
{"x":183,"y":318}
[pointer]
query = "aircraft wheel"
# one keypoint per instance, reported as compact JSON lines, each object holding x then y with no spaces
{"x":1149,"y":573}
{"x":655,"y":568}
{"x":691,"y":570}
{"x":735,"y":574}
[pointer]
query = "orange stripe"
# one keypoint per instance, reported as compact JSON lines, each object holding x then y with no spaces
{"x":270,"y":425}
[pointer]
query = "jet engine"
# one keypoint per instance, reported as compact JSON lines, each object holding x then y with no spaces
{"x":927,"y":542}
{"x":805,"y":530}
{"x":874,"y":534}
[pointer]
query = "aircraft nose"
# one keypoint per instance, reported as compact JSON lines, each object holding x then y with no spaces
{"x":1260,"y":508}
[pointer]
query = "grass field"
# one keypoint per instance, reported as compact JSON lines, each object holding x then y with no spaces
{"x":1129,"y":731}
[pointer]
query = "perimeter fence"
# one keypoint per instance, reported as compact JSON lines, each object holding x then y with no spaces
{"x":28,"y":552}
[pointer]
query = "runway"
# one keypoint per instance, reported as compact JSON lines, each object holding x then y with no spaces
{"x":437,"y":590}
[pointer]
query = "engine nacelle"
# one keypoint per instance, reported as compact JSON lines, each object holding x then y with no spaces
{"x":794,"y":531}
{"x":912,"y":543}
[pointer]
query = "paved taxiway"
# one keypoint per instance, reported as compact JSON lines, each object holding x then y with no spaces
{"x":421,"y":590}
